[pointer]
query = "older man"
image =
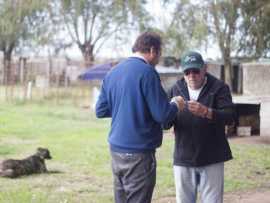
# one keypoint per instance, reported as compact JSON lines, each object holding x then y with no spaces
{"x":201,"y":147}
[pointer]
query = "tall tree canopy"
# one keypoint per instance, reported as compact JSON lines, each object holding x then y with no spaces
{"x":186,"y":29}
{"x":17,"y":18}
{"x":222,"y":23}
{"x":255,"y":40}
{"x":90,"y":23}
{"x":240,"y":28}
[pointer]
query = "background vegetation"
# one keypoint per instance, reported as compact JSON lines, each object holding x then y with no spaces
{"x":239,"y":28}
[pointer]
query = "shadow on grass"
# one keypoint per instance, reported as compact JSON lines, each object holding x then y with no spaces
{"x":54,"y":172}
{"x":34,"y":174}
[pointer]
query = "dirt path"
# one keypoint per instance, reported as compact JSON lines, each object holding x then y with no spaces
{"x":251,"y":140}
{"x":253,"y":196}
{"x":257,"y":196}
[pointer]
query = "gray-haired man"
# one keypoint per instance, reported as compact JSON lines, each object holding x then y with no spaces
{"x":200,"y":143}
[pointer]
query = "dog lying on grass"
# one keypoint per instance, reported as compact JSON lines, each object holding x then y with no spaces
{"x":13,"y":168}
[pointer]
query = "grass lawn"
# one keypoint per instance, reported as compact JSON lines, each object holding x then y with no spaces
{"x":80,"y":168}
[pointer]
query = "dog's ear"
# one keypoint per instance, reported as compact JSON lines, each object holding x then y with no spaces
{"x":44,"y":153}
{"x":40,"y":149}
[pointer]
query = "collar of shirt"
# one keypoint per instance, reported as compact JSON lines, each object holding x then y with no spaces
{"x":139,"y":56}
{"x":194,"y":94}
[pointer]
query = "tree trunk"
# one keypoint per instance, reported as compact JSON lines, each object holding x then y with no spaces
{"x":228,"y":72}
{"x":88,"y":55}
{"x":88,"y":58}
{"x":227,"y":65}
{"x":7,"y":68}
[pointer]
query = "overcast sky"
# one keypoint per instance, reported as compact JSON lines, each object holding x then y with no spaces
{"x":114,"y":50}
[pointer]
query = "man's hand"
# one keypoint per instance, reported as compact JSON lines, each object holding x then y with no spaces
{"x":180,"y":102}
{"x":197,"y":109}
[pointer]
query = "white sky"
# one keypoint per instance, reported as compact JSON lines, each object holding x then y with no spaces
{"x":113,"y":50}
{"x":161,"y":19}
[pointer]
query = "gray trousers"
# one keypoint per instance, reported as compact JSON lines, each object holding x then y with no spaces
{"x":134,"y":177}
{"x":207,"y":180}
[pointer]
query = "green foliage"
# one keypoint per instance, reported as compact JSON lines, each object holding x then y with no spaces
{"x":187,"y":29}
{"x":16,"y":19}
{"x":91,"y":23}
{"x":225,"y":17}
{"x":255,"y":27}
{"x":240,"y":28}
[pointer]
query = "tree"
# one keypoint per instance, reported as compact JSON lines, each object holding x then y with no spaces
{"x":240,"y":27}
{"x":211,"y":20}
{"x":90,"y":23}
{"x":184,"y":30}
{"x":255,"y":27}
{"x":223,"y":18}
{"x":16,"y":19}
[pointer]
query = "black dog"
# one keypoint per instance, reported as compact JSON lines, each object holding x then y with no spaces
{"x":12,"y":168}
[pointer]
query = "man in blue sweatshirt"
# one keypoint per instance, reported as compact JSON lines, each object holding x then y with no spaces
{"x":133,"y":97}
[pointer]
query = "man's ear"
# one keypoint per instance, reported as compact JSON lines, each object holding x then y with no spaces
{"x":205,"y":66}
{"x":152,"y":50}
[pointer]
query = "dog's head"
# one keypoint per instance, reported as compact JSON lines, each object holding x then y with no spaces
{"x":43,"y":153}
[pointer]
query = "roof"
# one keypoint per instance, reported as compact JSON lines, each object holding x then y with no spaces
{"x":96,"y":72}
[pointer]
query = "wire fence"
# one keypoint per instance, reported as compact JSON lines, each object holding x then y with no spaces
{"x":83,"y":94}
{"x":44,"y":80}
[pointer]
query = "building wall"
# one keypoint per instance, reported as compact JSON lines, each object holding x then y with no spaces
{"x":215,"y":69}
{"x":256,"y":78}
{"x":169,"y":79}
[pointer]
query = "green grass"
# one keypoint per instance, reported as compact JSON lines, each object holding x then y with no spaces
{"x":250,"y":167}
{"x":80,"y":168}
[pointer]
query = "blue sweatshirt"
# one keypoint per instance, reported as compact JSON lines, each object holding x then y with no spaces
{"x":132,"y":95}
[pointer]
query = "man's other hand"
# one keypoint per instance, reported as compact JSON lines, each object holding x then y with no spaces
{"x":180,"y":102}
{"x":197,"y":108}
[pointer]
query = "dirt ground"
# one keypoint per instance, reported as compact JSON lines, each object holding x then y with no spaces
{"x":251,"y":140}
{"x":257,"y":196}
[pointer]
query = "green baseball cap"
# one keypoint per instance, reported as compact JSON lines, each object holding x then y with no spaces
{"x":192,"y":60}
